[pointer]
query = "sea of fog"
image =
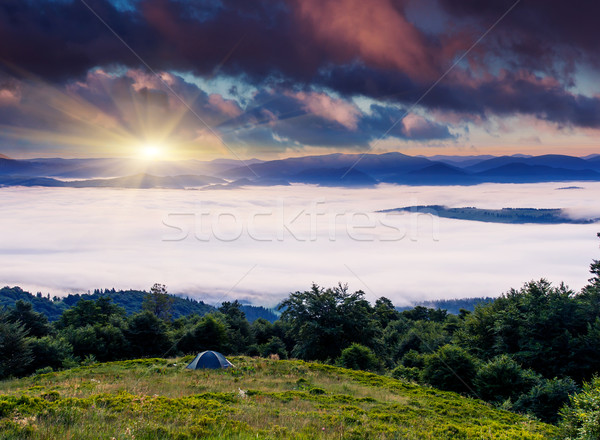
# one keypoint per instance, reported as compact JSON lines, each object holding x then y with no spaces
{"x":259,"y":244}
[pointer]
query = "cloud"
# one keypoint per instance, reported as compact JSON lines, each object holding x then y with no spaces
{"x":383,"y":49}
{"x":54,"y":240}
{"x":326,"y":107}
{"x":299,"y":118}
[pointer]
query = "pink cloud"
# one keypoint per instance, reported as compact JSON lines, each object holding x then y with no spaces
{"x":9,"y":97}
{"x":376,"y":31}
{"x":225,"y":106}
{"x":332,"y":109}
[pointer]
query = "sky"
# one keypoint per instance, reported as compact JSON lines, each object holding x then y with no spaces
{"x":177,"y":79}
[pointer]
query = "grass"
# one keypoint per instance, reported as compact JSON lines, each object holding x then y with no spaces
{"x":158,"y":399}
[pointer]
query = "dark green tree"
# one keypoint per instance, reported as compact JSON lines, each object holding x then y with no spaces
{"x":35,"y":323}
{"x":90,"y":312}
{"x":147,"y":336}
{"x":322,"y":322}
{"x":15,"y":349}
{"x":50,"y":351}
{"x":209,"y":333}
{"x":502,"y":378}
{"x":359,"y":357}
{"x":580,"y":419}
{"x":450,"y":368}
{"x":158,"y":302}
{"x":238,"y":328}
{"x":273,"y":346}
{"x":546,"y":398}
{"x":385,"y":312}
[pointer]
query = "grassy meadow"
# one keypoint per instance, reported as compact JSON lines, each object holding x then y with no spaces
{"x":259,"y":398}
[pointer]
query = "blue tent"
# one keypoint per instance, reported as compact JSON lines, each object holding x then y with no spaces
{"x":209,"y":359}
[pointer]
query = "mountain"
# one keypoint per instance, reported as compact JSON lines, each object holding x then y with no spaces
{"x":146,"y":181}
{"x":436,"y":174}
{"x":452,"y":306}
{"x":594,"y":161}
{"x":31,"y":181}
{"x":111,"y":167}
{"x":2,"y":156}
{"x":459,"y":161}
{"x":375,"y":165}
{"x":333,"y":177}
{"x":130,"y":300}
{"x":548,"y":160}
{"x":524,"y":173}
{"x":325,"y":170}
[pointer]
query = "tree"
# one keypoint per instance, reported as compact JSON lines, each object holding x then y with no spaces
{"x":35,"y":323}
{"x":208,"y":334}
{"x":322,"y":322}
{"x":581,"y":417}
{"x":147,"y":335}
{"x":90,"y":312}
{"x":50,"y":351}
{"x":502,"y":378}
{"x":273,"y":346}
{"x":542,"y":327}
{"x":450,"y":368}
{"x":385,"y":312}
{"x":546,"y":398}
{"x":158,"y":302}
{"x":15,"y":350}
{"x":262,"y":330}
{"x":238,"y":328}
{"x":359,"y":357}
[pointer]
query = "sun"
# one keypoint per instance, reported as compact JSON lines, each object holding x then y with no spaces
{"x":152,"y":151}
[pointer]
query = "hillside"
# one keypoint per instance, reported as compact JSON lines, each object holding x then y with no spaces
{"x":159,"y":399}
{"x":130,"y":300}
{"x":504,"y":215}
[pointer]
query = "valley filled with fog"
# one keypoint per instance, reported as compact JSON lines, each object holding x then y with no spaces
{"x":261,"y":243}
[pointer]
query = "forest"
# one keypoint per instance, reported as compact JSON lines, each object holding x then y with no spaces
{"x":533,"y":350}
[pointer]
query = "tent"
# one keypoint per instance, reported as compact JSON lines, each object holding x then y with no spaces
{"x":209,"y":359}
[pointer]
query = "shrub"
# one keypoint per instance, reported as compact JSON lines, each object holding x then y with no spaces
{"x":274,"y":346}
{"x":413,"y":359}
{"x":546,"y":398}
{"x":359,"y":357}
{"x":50,"y":352}
{"x":406,"y":373}
{"x":15,"y":351}
{"x":502,"y":378}
{"x":450,"y":368}
{"x":581,"y":417}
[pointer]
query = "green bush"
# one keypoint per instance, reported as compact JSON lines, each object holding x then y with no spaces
{"x":450,"y":368}
{"x":413,"y":359}
{"x":15,"y":350}
{"x":406,"y":373}
{"x":502,"y":378}
{"x":546,"y":398}
{"x":274,"y":346}
{"x":359,"y":357}
{"x":581,"y":417}
{"x":52,"y":352}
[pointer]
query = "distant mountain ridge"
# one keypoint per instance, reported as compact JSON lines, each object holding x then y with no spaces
{"x":343,"y":170}
{"x":130,"y":300}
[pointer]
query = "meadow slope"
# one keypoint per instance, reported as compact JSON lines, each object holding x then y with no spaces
{"x":259,"y":398}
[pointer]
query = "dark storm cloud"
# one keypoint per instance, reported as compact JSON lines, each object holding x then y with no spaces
{"x":350,"y":46}
{"x":548,"y":35}
{"x":317,"y":119}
